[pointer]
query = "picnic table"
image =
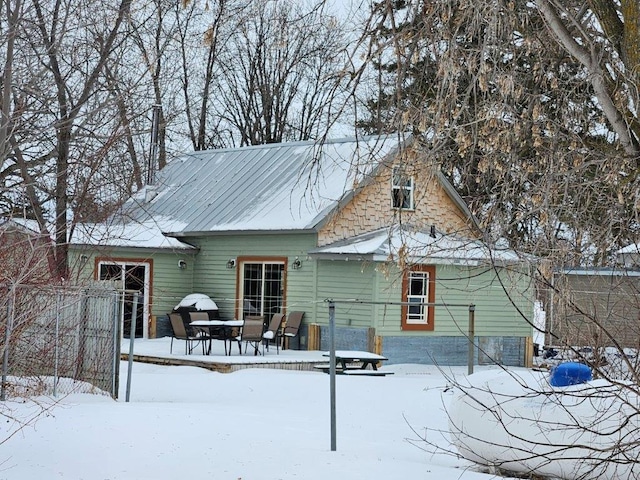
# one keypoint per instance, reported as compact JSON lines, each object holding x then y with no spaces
{"x":355,"y":362}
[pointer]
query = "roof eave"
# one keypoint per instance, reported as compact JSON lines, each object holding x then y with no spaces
{"x":343,"y":257}
{"x":214,"y":233}
{"x":186,"y":249}
{"x":458,"y":200}
{"x":383,"y":258}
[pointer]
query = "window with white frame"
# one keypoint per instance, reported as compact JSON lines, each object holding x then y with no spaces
{"x":418,"y":291}
{"x":417,"y":296}
{"x":401,"y":189}
{"x":261,"y":286}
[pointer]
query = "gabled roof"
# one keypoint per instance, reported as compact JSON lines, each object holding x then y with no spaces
{"x":274,"y":187}
{"x":286,"y":187}
{"x":390,"y":244}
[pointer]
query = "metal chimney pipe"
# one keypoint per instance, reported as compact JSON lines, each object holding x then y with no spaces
{"x":153,"y":154}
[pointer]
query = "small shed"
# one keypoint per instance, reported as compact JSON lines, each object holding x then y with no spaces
{"x":594,"y":306}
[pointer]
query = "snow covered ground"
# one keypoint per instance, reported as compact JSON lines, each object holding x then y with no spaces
{"x":191,"y":423}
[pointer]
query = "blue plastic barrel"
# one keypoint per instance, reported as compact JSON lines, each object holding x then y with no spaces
{"x":569,"y":373}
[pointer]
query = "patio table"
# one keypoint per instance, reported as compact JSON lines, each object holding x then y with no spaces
{"x":211,"y":324}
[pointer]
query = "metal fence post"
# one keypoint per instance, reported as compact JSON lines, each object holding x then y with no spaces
{"x":132,"y":337}
{"x":56,"y":347}
{"x":332,"y":371}
{"x":115,"y":362}
{"x":472,"y":310}
{"x":7,"y":337}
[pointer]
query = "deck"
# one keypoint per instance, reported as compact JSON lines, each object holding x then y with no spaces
{"x":157,"y":352}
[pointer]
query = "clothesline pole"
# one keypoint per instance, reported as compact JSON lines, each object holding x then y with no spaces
{"x":332,"y":372}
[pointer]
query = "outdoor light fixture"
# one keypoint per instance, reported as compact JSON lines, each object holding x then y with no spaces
{"x":296,"y":264}
{"x":182,"y":264}
{"x":231,"y":263}
{"x":83,"y":259}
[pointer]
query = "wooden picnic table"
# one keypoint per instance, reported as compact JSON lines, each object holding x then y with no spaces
{"x":355,"y":362}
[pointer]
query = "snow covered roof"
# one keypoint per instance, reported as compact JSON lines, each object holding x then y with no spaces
{"x":275,"y":187}
{"x":146,"y":234}
{"x":417,"y":247}
{"x":599,"y":271}
{"x":633,"y":248}
{"x":30,"y":227}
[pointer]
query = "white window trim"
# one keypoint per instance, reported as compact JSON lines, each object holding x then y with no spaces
{"x":262,"y":280}
{"x":147,"y":285}
{"x":407,"y":189}
{"x":422,"y":299}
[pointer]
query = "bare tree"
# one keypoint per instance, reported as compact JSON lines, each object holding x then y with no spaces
{"x":53,"y":97}
{"x":200,"y":65}
{"x":13,"y":11}
{"x":279,"y":72}
{"x":531,"y":110}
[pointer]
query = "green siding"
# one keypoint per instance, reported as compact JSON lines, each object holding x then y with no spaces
{"x":343,"y":282}
{"x":169,"y":284}
{"x":496,"y":312}
{"x":307,"y":289}
{"x":214,"y":279}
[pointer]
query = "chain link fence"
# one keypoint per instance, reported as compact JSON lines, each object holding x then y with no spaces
{"x":57,"y":341}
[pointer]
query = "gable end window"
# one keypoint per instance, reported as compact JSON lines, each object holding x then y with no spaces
{"x":401,"y":189}
{"x":418,"y":288}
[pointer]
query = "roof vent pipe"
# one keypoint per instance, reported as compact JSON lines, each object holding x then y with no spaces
{"x":153,"y":153}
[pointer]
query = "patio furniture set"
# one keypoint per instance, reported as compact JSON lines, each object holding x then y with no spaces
{"x":199,"y":329}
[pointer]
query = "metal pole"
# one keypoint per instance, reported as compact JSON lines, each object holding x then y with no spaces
{"x":56,"y":347}
{"x":116,"y":346}
{"x":132,"y":337}
{"x":7,"y":336}
{"x":332,"y":371}
{"x":472,"y":310}
{"x":155,"y":122}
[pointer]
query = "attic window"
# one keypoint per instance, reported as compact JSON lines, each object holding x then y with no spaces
{"x":401,"y":189}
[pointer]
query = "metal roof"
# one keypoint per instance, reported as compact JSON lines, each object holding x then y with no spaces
{"x":274,"y":187}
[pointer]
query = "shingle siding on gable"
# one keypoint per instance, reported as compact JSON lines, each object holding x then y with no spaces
{"x":370,"y":209}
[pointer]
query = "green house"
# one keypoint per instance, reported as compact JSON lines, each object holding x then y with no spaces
{"x":363,"y":223}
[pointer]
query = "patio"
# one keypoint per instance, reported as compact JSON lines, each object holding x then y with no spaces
{"x":156,"y":351}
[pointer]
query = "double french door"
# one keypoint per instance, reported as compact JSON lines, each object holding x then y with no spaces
{"x":261,"y":287}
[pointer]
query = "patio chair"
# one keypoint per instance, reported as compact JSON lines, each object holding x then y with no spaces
{"x":193,"y":316}
{"x":204,"y":333}
{"x":274,"y":332}
{"x":292,"y":326}
{"x":252,"y":332}
{"x":181,"y":333}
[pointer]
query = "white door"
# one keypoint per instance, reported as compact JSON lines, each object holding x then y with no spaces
{"x":130,"y":277}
